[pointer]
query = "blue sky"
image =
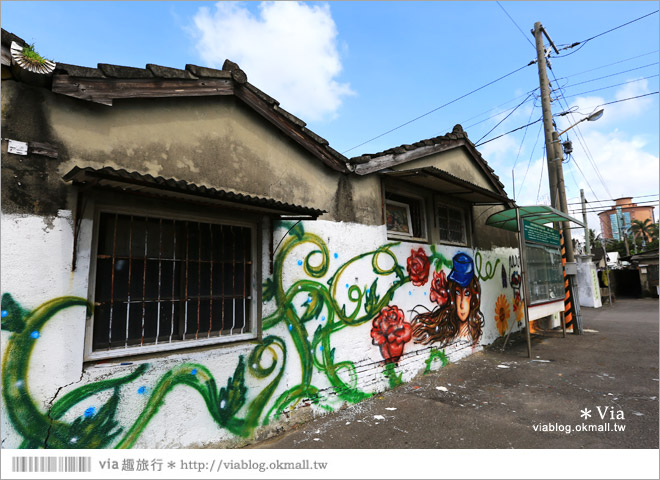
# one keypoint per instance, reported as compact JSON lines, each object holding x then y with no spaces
{"x":355,"y":70}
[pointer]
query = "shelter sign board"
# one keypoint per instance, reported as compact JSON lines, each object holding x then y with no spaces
{"x":541,"y":234}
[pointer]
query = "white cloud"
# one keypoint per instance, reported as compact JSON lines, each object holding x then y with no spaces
{"x":287,"y":49}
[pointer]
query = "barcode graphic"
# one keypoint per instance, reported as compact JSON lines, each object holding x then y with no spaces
{"x":51,"y":464}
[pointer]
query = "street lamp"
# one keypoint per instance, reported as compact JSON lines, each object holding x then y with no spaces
{"x":591,"y":118}
{"x":556,"y":165}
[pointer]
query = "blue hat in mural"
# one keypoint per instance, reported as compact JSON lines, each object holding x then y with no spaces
{"x":463,"y":270}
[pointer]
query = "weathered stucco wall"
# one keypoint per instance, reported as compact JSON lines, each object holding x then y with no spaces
{"x":213,"y":141}
{"x":339,"y":324}
{"x":456,"y":161}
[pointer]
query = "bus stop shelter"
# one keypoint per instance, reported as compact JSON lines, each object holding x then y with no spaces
{"x":529,"y":222}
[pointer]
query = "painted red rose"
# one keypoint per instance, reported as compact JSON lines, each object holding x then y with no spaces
{"x":391,"y":332}
{"x":439,"y":289}
{"x":418,"y":267}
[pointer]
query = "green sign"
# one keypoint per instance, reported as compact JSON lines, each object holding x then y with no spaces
{"x":541,"y":234}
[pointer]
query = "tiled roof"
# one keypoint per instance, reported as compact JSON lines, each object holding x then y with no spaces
{"x":457,"y":137}
{"x":160,"y":81}
{"x":133,"y":181}
{"x":130,"y":82}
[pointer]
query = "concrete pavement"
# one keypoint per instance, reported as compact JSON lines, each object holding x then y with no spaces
{"x":496,"y":399}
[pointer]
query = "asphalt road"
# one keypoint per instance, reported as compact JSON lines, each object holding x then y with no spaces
{"x":496,"y":399}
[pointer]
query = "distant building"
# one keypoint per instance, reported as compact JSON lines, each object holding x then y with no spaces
{"x":618,"y":219}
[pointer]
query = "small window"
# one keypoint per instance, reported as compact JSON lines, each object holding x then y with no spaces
{"x":166,"y":283}
{"x":451,"y":224}
{"x":404,"y":217}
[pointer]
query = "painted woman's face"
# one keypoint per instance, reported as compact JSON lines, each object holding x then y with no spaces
{"x":463,"y":302}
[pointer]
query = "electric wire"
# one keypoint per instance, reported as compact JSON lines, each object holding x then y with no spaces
{"x":531,"y":155}
{"x":611,"y":86}
{"x":607,"y":76}
{"x":584,"y":42}
{"x":509,"y":110}
{"x":585,"y":148}
{"x":507,"y":133}
{"x":629,"y":98}
{"x":438,"y":108}
{"x":517,"y":26}
{"x":610,"y":64}
{"x":614,"y":199}
{"x":500,"y":122}
{"x":538,"y":193}
{"x":523,"y":138}
{"x":536,"y":121}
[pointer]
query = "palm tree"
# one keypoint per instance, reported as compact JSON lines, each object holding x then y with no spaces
{"x":643,"y":229}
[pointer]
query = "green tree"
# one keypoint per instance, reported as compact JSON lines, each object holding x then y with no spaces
{"x":643,"y":230}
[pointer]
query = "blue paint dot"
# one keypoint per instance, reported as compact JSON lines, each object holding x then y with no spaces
{"x":290,"y":327}
{"x":368,"y":290}
{"x":409,"y":293}
{"x":4,"y":313}
{"x":35,"y":334}
{"x":321,"y":348}
{"x":90,"y":412}
{"x":193,"y":372}
{"x":424,"y":293}
{"x":142,"y":390}
{"x":336,"y":255}
{"x":299,"y":262}
{"x":323,"y":318}
{"x":347,"y":285}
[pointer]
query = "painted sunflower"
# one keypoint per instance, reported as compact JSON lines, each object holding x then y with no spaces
{"x":502,"y":314}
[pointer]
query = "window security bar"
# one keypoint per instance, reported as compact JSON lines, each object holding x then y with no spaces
{"x":162,"y":281}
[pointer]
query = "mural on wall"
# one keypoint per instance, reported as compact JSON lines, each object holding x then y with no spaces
{"x":307,"y":301}
{"x":457,"y":314}
{"x":502,"y":314}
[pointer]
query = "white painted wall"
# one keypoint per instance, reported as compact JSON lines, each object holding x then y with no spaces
{"x":36,"y":267}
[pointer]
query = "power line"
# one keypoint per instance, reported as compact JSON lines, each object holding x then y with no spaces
{"x":538,"y":192}
{"x":610,"y":64}
{"x":536,"y":121}
{"x":606,"y":76}
{"x":518,"y":27}
{"x":510,"y":113}
{"x":578,"y":210}
{"x":629,"y":98}
{"x":531,"y":155}
{"x":583,"y":143}
{"x":614,"y":199}
{"x":438,"y":108}
{"x":524,"y":136}
{"x":611,"y":86}
{"x":495,"y":114}
{"x":510,"y":131}
{"x":584,"y":42}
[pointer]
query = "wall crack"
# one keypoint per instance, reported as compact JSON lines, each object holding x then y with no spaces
{"x":50,"y":406}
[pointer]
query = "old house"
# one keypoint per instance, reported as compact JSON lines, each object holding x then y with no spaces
{"x":185,"y":264}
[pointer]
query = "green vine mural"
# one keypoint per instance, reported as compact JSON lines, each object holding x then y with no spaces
{"x":332,"y":305}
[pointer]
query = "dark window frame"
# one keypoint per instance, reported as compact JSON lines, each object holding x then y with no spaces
{"x":171,"y":213}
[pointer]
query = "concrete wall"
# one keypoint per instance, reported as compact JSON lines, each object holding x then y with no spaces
{"x":587,"y":283}
{"x":319,"y":348}
{"x":343,"y":312}
{"x":213,"y":141}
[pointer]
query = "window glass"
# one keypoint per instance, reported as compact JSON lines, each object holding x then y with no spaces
{"x":405,"y":213}
{"x":451,"y":224}
{"x":546,"y":275}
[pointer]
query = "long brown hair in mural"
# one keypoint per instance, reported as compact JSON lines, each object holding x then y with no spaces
{"x":458,"y":313}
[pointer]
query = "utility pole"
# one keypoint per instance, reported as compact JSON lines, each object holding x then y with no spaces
{"x":548,"y":128}
{"x":555,"y":156}
{"x":587,"y":243}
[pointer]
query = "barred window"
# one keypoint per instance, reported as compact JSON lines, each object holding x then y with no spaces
{"x":451,"y":224}
{"x":164,"y":283}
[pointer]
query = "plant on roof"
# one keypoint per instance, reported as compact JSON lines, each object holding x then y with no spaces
{"x":32,"y":56}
